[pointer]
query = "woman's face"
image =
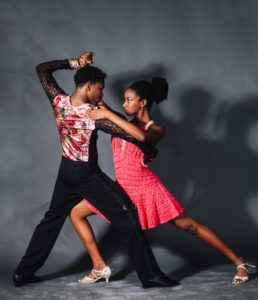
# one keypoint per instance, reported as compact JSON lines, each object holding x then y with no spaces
{"x":132,"y":103}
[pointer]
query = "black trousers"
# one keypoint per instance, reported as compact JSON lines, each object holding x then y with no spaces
{"x":77,"y":180}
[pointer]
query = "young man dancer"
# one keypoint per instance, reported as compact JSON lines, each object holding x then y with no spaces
{"x":80,"y":176}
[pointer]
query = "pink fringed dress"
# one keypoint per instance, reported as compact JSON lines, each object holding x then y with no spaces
{"x":155,"y":204}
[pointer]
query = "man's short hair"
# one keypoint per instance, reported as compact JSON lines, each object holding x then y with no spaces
{"x":89,"y":74}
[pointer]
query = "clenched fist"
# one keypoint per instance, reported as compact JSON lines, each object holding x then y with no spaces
{"x":86,"y":58}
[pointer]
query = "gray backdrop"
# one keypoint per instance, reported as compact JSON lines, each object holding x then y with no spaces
{"x":207,"y":50}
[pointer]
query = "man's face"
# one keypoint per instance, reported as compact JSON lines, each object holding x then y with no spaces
{"x":95,"y":92}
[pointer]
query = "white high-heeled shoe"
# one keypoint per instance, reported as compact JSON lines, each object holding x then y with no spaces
{"x":97,"y":275}
{"x":242,"y":279}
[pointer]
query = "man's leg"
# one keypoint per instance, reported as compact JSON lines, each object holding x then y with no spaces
{"x":47,"y":231}
{"x":111,"y":200}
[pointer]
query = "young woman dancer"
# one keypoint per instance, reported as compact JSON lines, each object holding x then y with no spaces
{"x":154,"y":203}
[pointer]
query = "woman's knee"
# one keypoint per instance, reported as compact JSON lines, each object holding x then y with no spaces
{"x":80,"y":212}
{"x":191,"y":229}
{"x":74,"y":215}
{"x":187,"y":224}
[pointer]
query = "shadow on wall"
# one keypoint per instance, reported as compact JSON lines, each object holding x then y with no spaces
{"x":212,"y":170}
{"x":222,"y":173}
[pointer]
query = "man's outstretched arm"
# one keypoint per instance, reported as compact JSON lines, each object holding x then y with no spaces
{"x":108,"y":127}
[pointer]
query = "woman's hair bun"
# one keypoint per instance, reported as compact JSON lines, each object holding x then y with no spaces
{"x":160,"y":88}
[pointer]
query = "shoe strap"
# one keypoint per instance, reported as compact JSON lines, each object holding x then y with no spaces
{"x":87,"y":279}
{"x":244,"y":266}
{"x":240,"y":277}
{"x":94,"y":273}
{"x":99,"y":271}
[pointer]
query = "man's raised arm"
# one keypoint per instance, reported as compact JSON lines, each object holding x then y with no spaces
{"x":46,"y":69}
{"x":46,"y":78}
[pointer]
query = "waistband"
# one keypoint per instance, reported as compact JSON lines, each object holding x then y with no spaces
{"x":79,"y":164}
{"x":68,"y":160}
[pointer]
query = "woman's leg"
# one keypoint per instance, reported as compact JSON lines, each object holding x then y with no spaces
{"x":83,"y":228}
{"x":193,"y":227}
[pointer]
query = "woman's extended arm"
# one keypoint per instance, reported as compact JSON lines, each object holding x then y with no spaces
{"x":153,"y":135}
{"x":111,"y":128}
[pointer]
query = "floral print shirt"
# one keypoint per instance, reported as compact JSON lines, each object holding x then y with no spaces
{"x":74,"y":128}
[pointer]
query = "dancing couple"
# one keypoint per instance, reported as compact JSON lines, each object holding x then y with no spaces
{"x":135,"y":202}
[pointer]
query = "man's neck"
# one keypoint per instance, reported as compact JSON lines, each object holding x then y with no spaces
{"x":77,"y":98}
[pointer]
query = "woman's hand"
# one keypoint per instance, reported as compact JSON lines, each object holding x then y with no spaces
{"x":86,"y":58}
{"x":100,"y":113}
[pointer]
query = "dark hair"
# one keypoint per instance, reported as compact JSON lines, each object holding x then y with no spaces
{"x":154,"y":91}
{"x":89,"y":74}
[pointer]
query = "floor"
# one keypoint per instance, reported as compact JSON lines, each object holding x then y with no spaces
{"x":212,"y":283}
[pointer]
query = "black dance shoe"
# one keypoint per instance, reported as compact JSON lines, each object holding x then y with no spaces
{"x":160,"y":281}
{"x":20,"y":280}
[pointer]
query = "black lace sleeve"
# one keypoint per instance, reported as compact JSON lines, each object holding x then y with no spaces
{"x":46,"y":78}
{"x":108,"y":127}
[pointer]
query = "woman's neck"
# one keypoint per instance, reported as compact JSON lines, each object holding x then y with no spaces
{"x":143,"y":116}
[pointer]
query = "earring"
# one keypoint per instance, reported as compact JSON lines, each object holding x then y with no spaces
{"x":140,"y":113}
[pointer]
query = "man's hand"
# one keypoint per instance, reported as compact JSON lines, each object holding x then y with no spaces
{"x":86,"y":58}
